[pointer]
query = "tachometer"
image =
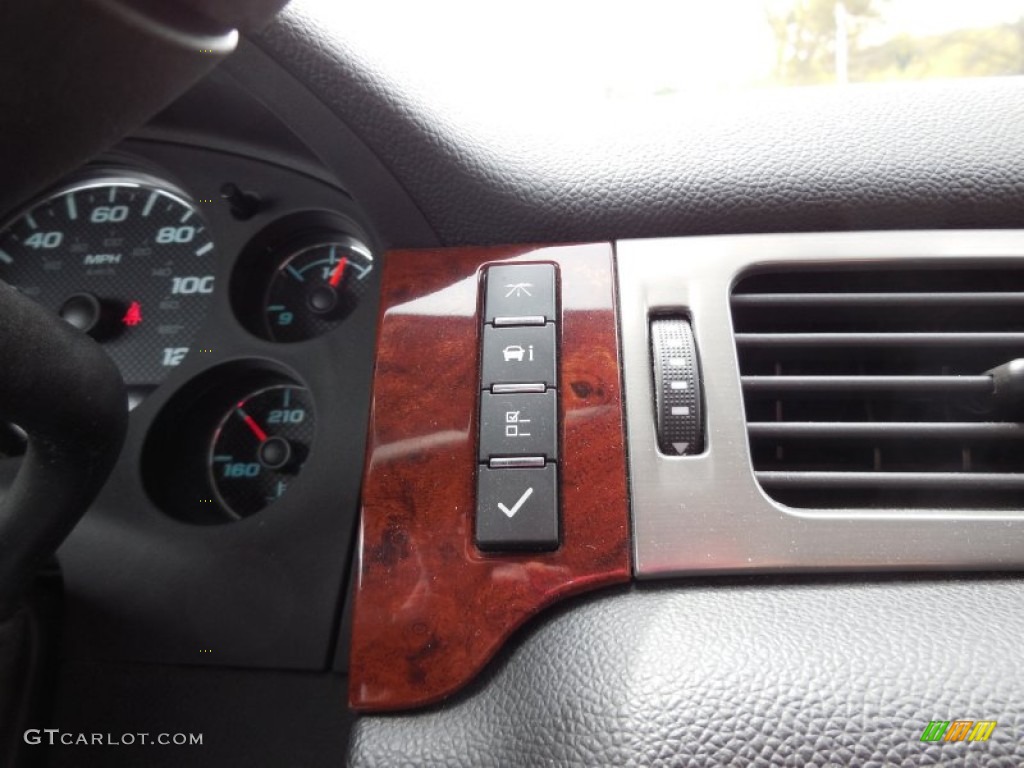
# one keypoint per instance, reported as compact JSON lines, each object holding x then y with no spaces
{"x":128,"y":260}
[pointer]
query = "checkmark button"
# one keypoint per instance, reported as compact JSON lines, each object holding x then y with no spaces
{"x":517,"y":509}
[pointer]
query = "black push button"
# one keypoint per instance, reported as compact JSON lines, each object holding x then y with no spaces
{"x":518,"y":425}
{"x":520,"y":294}
{"x":519,"y":355}
{"x":517,"y":509}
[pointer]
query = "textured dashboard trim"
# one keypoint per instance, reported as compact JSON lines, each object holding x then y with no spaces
{"x":807,"y":671}
{"x":393,"y":213}
{"x":707,"y":512}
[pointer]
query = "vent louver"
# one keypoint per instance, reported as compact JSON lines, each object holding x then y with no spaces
{"x":871,"y":388}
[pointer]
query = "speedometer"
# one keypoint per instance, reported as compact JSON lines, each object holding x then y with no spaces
{"x":128,"y":260}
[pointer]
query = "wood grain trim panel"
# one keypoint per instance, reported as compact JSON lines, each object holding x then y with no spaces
{"x":431,"y":609}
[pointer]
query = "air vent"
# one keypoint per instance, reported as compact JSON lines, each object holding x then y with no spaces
{"x":873,"y":388}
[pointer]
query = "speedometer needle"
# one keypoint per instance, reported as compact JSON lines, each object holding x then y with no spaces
{"x":339,"y":270}
{"x":250,"y":422}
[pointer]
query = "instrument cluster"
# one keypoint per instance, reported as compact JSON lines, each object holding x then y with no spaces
{"x":197,"y":278}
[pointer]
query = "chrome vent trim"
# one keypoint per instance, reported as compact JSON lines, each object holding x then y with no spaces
{"x":709,"y":513}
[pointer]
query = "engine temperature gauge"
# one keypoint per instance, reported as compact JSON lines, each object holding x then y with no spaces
{"x":315,"y":288}
{"x":259,"y":447}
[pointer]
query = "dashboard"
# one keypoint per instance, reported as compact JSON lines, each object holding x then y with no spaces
{"x":308,"y":276}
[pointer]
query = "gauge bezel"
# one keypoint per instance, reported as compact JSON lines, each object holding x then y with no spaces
{"x":175,"y":455}
{"x":215,"y":437}
{"x":113,"y":175}
{"x":302,"y":245}
{"x":277,"y":243}
{"x":102,"y":176}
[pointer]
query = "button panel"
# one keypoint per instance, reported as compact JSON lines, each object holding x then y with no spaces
{"x":517,"y":480}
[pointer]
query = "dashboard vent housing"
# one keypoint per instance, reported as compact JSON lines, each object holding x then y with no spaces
{"x":871,"y":388}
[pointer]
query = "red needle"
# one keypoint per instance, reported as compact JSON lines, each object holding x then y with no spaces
{"x":251,"y":423}
{"x":339,"y":270}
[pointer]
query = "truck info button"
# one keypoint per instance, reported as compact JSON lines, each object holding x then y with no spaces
{"x":519,"y":355}
{"x":518,"y":425}
{"x":520,"y":291}
{"x":517,"y":509}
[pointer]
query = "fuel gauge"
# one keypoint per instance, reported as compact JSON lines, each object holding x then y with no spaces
{"x":315,"y":288}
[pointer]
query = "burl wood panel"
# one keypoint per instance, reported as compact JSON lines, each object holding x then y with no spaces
{"x":430,"y":609}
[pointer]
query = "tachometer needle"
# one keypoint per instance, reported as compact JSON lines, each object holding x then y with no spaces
{"x":250,"y":422}
{"x":336,"y":275}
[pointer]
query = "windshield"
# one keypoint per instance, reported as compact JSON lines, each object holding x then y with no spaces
{"x":562,"y":51}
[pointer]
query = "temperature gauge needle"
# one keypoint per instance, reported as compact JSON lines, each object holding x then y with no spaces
{"x":250,"y":422}
{"x":336,"y":275}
